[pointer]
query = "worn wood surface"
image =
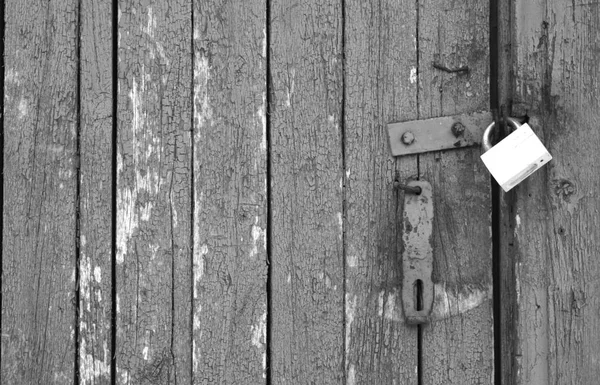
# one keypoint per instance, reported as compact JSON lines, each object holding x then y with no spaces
{"x":307,"y":265}
{"x":554,"y":214}
{"x":95,"y":193}
{"x":458,"y":346}
{"x":154,"y":262}
{"x":230,"y":192}
{"x":40,"y":182}
{"x":381,"y":87}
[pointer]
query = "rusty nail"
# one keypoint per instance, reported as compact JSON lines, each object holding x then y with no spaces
{"x":458,"y":129}
{"x":408,"y":189}
{"x":408,"y":138}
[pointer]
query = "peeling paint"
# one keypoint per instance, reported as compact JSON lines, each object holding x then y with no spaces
{"x":129,"y":209}
{"x":340,"y":220}
{"x":351,"y":300}
{"x":203,"y":113}
{"x":451,"y":303}
{"x":259,"y":339}
{"x":258,"y":235}
{"x":197,"y":322}
{"x":12,"y":76}
{"x":261,"y":115}
{"x":291,"y":86}
{"x":23,"y":108}
{"x":351,"y":376}
{"x":387,"y":306}
{"x":199,"y":254}
{"x":352,"y":260}
{"x":84,"y":279}
{"x":151,"y":26}
{"x":97,"y":274}
{"x":413,"y":75}
{"x":92,"y":369}
{"x":264,"y":43}
{"x":518,"y":220}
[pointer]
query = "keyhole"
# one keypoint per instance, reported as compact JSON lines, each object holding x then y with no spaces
{"x":418,"y":290}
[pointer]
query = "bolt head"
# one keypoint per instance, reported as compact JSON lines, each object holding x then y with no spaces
{"x":458,"y":129}
{"x":408,"y":138}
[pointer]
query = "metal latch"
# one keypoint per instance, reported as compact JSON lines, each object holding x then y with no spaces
{"x":417,"y":257}
{"x":418,"y":136}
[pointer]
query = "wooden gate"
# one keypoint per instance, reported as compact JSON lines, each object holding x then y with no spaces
{"x":202,"y":192}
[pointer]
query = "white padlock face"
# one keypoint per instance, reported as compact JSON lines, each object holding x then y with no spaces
{"x":516,"y":157}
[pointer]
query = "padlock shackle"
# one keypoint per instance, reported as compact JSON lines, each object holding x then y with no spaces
{"x":486,"y":142}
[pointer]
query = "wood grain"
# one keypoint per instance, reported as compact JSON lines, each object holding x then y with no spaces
{"x":95,"y":199}
{"x":380,"y":83}
{"x":40,"y":182}
{"x":307,"y":282}
{"x":154,"y":193}
{"x":230,"y":197}
{"x":458,"y":346}
{"x":554,"y":214}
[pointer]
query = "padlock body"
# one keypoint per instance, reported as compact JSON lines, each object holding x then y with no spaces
{"x":516,"y":157}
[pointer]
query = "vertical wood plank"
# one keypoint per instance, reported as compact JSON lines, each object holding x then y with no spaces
{"x":458,"y":346}
{"x":307,"y":283}
{"x":381,"y":60}
{"x":154,"y":193}
{"x":230,"y":197}
{"x":40,"y":182}
{"x":554,"y":214}
{"x":95,"y":201}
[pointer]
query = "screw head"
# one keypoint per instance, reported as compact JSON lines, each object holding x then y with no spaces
{"x":458,"y":129}
{"x":408,"y":138}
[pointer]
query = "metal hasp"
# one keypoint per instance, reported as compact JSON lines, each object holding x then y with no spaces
{"x":418,"y":136}
{"x":417,"y":257}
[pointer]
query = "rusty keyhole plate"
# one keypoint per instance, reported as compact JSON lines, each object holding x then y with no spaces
{"x":417,"y":256}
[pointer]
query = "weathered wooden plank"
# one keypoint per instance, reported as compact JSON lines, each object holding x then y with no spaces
{"x":554,"y":214}
{"x":154,"y":193}
{"x":95,"y":199}
{"x":458,"y":345}
{"x":230,"y":197}
{"x":40,"y":182}
{"x":380,"y":83}
{"x":307,"y":264}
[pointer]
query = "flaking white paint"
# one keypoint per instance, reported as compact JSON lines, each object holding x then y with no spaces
{"x":413,"y":75}
{"x":451,"y":303}
{"x":23,"y":108}
{"x":259,"y":339}
{"x":351,"y":300}
{"x":92,"y":369}
{"x":199,"y":255}
{"x":352,"y":260}
{"x":351,"y":376}
{"x":291,"y":86}
{"x":262,"y":119}
{"x":259,"y":238}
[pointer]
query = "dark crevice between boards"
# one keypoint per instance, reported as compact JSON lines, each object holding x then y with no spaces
{"x":113,"y":250}
{"x":344,"y":179}
{"x":2,"y":30}
{"x":269,"y":283}
{"x":192,"y":200}
{"x":78,"y":199}
{"x":418,"y":159}
{"x":495,"y":188}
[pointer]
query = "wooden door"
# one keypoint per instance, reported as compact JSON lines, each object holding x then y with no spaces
{"x":201,"y":192}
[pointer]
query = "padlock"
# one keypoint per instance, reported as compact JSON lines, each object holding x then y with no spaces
{"x":516,"y":157}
